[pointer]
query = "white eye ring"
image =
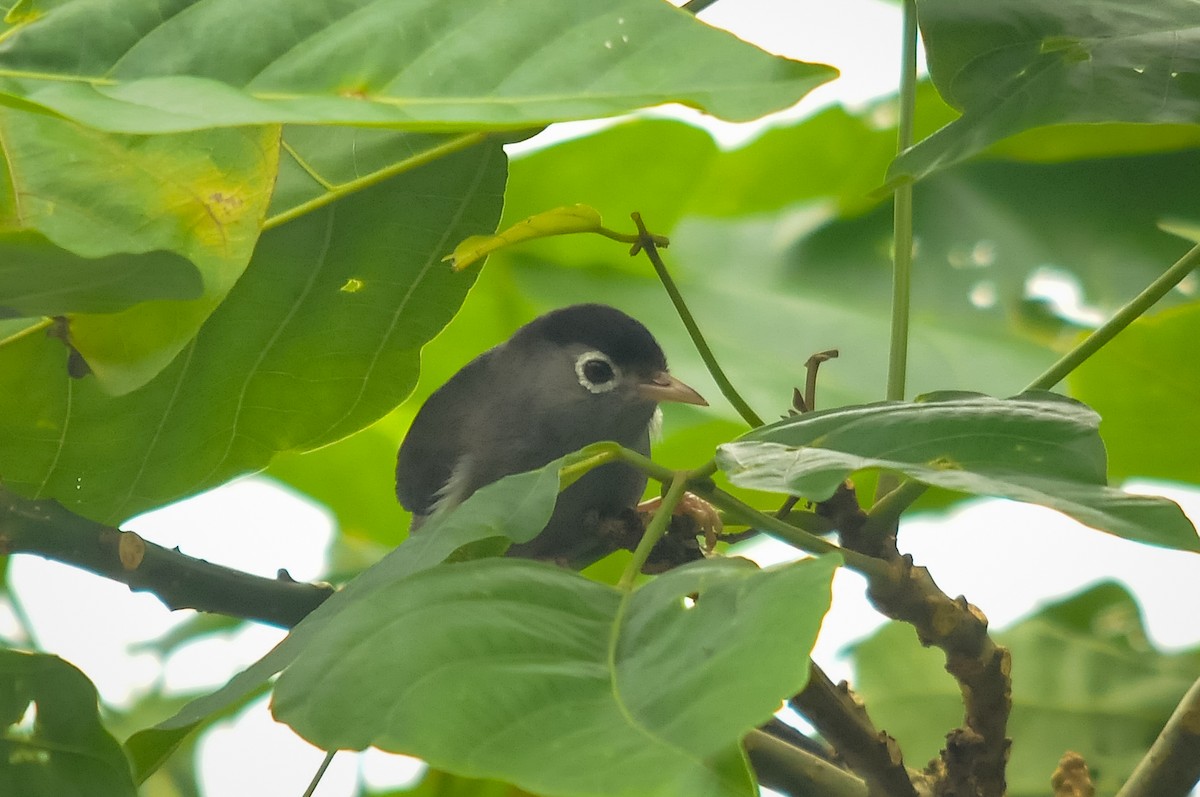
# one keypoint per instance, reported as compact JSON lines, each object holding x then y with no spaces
{"x":586,"y":359}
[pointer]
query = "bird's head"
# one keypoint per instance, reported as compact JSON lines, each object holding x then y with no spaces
{"x":594,"y":367}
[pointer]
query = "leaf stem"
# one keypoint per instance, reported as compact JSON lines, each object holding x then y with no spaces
{"x":796,"y":537}
{"x":312,"y":787}
{"x":902,"y":220}
{"x":655,"y":529}
{"x":647,"y":242}
{"x":1123,"y":318}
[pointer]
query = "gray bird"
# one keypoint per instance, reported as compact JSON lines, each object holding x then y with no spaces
{"x":574,"y":376}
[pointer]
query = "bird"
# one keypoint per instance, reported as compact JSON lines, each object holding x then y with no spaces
{"x":574,"y":376}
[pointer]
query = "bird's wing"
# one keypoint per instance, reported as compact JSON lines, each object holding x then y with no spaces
{"x":433,"y":452}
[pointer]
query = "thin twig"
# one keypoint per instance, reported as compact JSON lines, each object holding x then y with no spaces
{"x":1121,"y":319}
{"x":646,"y":243}
{"x":312,"y":787}
{"x":811,"y":367}
{"x":1171,"y":768}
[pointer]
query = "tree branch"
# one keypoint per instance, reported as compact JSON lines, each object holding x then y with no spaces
{"x":1172,"y":766}
{"x":783,"y":767}
{"x":974,"y":759}
{"x":47,"y":529}
{"x":842,"y":720}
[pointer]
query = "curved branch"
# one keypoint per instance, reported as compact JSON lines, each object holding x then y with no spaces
{"x":976,"y":754}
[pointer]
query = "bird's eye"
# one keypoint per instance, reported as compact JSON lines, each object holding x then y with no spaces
{"x":596,"y":372}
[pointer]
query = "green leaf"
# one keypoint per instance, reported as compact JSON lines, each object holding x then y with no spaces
{"x":199,"y":195}
{"x":1083,"y":679}
{"x":427,"y":64}
{"x":442,"y":784}
{"x":38,"y":278}
{"x":1146,"y":385}
{"x":155,"y":748}
{"x":68,"y":752}
{"x":516,"y":507}
{"x":1037,"y":447}
{"x":321,"y":163}
{"x":1012,"y":65}
{"x":488,"y":668}
{"x":290,"y":361}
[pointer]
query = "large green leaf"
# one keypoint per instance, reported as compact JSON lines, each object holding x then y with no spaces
{"x":1083,"y":679}
{"x":432,"y":64}
{"x":516,"y":507}
{"x":200,"y":195}
{"x":318,"y":339}
{"x":523,"y":671}
{"x":1037,"y":447}
{"x":68,"y":753}
{"x":1011,"y":65}
{"x":320,"y":163}
{"x":668,"y":171}
{"x":1146,"y":385}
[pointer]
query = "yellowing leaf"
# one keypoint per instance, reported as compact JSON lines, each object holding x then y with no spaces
{"x":560,"y":221}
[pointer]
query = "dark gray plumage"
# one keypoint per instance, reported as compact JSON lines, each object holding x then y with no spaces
{"x":574,"y":376}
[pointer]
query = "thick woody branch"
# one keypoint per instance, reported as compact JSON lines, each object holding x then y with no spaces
{"x":46,"y":529}
{"x":976,"y":754}
{"x":842,"y":720}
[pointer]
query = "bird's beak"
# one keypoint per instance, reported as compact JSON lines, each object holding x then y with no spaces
{"x":664,"y":387}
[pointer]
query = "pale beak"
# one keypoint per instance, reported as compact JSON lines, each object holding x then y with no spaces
{"x":664,"y":387}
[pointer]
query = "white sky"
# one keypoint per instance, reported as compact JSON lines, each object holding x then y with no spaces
{"x":256,"y":526}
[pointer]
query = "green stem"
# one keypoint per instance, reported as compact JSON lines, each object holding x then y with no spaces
{"x":646,"y":242}
{"x":1123,"y":318}
{"x":792,"y":535}
{"x":312,"y":787}
{"x":630,"y":238}
{"x":646,"y":465}
{"x":885,"y":514}
{"x":655,"y":529}
{"x":903,"y":214}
